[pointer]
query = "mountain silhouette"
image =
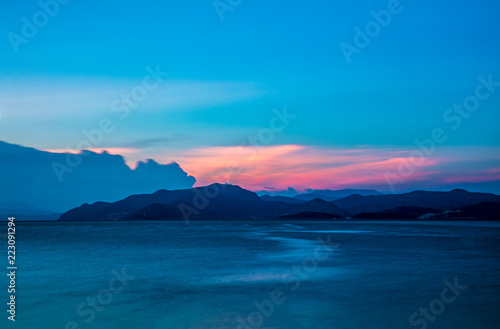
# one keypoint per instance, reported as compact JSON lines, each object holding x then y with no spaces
{"x":330,"y":195}
{"x":316,"y":205}
{"x":455,"y":199}
{"x":310,"y":215}
{"x":279,"y":198}
{"x":216,"y":201}
{"x":483,"y":210}
{"x":397,"y":213}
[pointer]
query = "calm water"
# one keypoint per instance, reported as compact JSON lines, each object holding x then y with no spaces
{"x":209,"y":275}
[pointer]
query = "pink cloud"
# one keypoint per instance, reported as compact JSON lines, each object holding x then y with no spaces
{"x":298,"y":166}
{"x":302,"y":167}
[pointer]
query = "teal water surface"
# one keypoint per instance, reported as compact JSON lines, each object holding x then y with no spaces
{"x":256,"y":274}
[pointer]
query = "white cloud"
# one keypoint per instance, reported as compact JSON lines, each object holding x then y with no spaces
{"x":69,"y":99}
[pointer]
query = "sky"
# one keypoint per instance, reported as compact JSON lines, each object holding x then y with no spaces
{"x":392,"y":95}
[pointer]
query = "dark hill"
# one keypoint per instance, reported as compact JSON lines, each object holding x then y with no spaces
{"x":209,"y":202}
{"x":397,"y":213}
{"x":310,"y":215}
{"x":316,"y":205}
{"x":455,"y":199}
{"x":283,"y":199}
{"x":223,"y":200}
{"x":219,"y":201}
{"x":330,"y":195}
{"x":483,"y":210}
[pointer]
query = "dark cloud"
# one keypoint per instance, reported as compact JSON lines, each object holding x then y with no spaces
{"x":27,"y":175}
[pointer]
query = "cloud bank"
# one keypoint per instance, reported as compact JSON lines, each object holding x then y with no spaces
{"x":27,"y":175}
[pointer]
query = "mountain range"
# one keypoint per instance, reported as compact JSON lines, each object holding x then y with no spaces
{"x":218,"y":201}
{"x":39,"y":185}
{"x":327,"y":195}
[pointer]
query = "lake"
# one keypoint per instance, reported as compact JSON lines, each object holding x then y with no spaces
{"x":257,"y":274}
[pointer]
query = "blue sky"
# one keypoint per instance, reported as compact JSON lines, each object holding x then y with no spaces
{"x":226,"y":77}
